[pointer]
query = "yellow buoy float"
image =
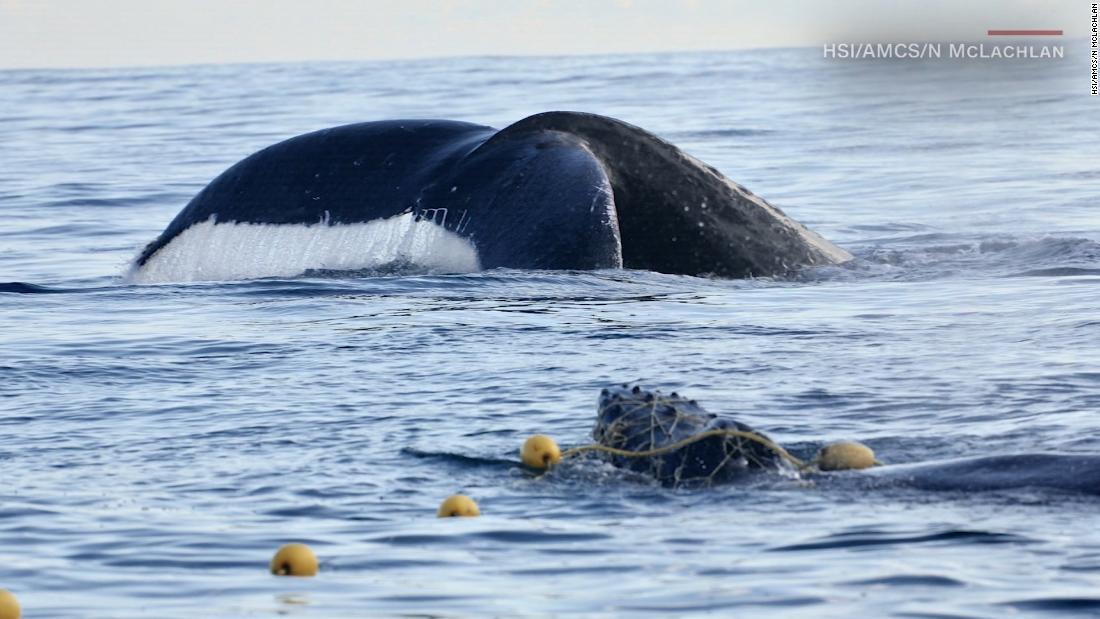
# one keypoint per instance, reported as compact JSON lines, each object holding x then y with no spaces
{"x":540,"y":452}
{"x":458,"y":506}
{"x":9,"y":606}
{"x":845,"y":456}
{"x":294,"y":560}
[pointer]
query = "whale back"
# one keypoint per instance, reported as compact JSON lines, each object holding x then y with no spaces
{"x":1064,"y":472}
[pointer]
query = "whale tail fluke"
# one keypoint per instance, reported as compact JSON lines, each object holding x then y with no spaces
{"x":558,"y":190}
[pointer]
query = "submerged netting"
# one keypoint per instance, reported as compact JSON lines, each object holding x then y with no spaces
{"x":639,"y":421}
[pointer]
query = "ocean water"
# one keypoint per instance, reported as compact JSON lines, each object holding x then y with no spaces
{"x":160,"y":442}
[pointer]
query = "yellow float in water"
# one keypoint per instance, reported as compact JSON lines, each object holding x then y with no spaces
{"x":540,"y":452}
{"x":294,"y":560}
{"x":9,"y":606}
{"x":458,"y":505}
{"x":845,"y":456}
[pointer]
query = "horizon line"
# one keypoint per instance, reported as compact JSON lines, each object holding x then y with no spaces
{"x":178,"y":65}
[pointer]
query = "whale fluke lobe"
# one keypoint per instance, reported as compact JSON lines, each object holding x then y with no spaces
{"x":679,"y":215}
{"x":558,"y":190}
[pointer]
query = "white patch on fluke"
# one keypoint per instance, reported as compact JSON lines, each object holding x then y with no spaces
{"x":209,"y":251}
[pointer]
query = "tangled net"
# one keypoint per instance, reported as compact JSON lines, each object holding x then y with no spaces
{"x":676,"y":441}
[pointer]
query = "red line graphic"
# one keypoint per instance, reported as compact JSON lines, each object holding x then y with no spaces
{"x":1025,"y":33}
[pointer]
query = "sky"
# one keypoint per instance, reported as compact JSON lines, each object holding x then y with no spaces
{"x":107,"y":33}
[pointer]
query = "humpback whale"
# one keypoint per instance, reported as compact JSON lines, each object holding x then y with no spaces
{"x":636,"y":420}
{"x":652,"y":433}
{"x":557,"y":190}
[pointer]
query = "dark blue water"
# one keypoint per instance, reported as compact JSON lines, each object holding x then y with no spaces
{"x":160,"y":442}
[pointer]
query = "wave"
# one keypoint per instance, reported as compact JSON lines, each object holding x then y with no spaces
{"x":938,"y":255}
{"x":26,"y":288}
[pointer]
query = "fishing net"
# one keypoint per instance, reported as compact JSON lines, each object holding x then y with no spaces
{"x":643,"y":430}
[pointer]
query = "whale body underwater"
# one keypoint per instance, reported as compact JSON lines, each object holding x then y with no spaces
{"x":557,"y":190}
{"x":635,"y":420}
